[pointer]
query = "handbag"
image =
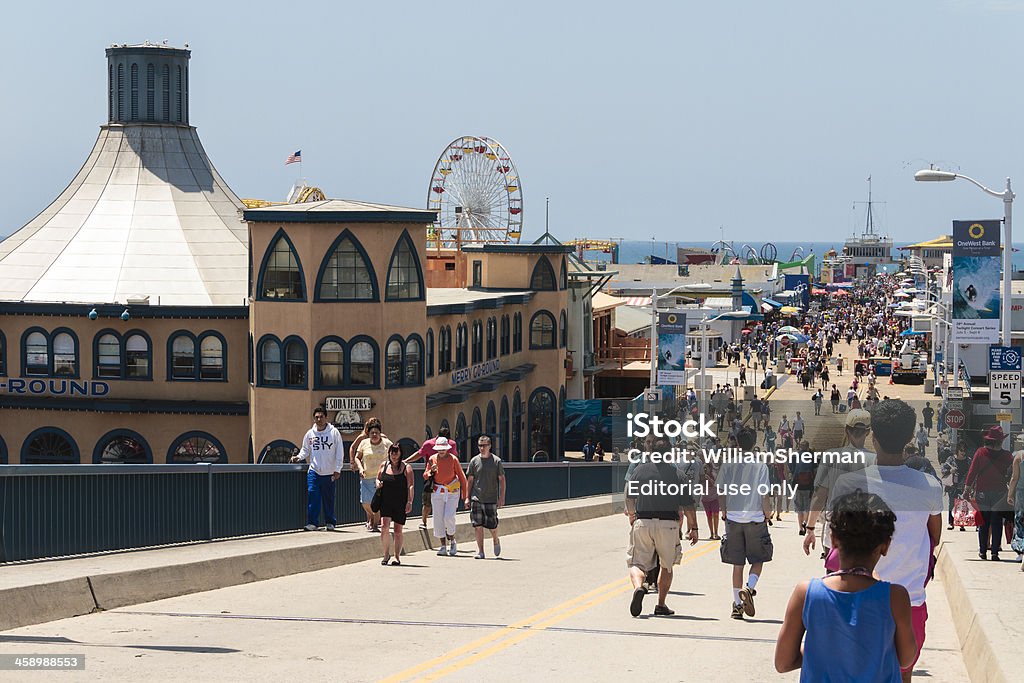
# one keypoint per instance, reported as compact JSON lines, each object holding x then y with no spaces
{"x":965,"y":512}
{"x":375,"y":501}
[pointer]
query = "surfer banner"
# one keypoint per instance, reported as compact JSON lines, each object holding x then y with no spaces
{"x":671,"y":349}
{"x":976,"y":275}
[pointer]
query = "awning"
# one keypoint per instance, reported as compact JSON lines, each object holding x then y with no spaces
{"x":766,"y":308}
{"x":638,"y":301}
{"x":771,"y":302}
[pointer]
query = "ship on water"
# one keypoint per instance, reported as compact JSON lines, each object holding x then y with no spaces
{"x":863,"y":255}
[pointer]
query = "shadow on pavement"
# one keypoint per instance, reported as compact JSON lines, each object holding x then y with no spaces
{"x":55,"y":640}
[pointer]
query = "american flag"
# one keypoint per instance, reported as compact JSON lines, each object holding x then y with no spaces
{"x":294,"y":158}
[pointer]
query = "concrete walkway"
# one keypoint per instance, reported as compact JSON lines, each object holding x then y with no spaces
{"x":41,"y":591}
{"x":553,"y":607}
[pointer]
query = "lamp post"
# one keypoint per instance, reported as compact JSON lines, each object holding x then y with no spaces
{"x":932,"y":175}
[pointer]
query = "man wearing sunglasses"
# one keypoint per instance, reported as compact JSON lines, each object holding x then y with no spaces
{"x":858,"y":427}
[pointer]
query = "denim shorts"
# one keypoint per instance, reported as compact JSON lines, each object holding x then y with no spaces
{"x":366,"y":490}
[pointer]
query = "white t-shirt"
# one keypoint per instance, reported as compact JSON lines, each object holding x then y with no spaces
{"x":914,"y":496}
{"x":739,"y":507}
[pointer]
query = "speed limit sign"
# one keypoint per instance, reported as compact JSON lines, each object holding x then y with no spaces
{"x":1004,"y":389}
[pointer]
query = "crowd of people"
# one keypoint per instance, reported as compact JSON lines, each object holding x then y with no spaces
{"x":878,"y":517}
{"x":387,"y":485}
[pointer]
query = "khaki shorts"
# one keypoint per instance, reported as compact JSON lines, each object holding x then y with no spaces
{"x":654,"y":537}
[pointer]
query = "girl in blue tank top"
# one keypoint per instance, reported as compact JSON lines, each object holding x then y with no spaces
{"x":854,"y":628}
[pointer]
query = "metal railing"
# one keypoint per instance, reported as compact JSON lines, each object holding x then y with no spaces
{"x":60,"y":510}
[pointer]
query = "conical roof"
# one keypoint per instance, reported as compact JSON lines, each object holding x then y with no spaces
{"x":148,"y":214}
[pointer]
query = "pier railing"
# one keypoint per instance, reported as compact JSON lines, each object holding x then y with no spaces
{"x":60,"y":510}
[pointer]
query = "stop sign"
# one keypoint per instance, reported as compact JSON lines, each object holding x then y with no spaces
{"x":955,"y":419}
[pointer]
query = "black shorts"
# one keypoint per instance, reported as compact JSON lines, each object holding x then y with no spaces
{"x":483,"y":514}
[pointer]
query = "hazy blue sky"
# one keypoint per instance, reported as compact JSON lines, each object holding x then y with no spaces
{"x":637,"y":119}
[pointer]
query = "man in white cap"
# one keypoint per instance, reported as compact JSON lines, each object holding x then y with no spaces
{"x":858,"y":426}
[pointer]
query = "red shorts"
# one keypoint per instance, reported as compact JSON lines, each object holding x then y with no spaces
{"x":918,"y":617}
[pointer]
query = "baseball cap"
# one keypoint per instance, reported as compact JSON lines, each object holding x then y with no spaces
{"x":858,"y":418}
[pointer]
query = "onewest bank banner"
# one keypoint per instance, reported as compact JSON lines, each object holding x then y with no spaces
{"x":976,"y":278}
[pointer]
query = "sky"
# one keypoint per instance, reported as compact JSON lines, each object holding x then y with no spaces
{"x":680,"y":120}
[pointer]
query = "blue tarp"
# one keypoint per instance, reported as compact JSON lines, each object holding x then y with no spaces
{"x":771,"y":302}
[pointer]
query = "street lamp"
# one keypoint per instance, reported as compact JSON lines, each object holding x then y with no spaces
{"x":932,"y":175}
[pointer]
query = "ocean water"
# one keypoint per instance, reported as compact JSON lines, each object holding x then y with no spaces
{"x":636,"y":251}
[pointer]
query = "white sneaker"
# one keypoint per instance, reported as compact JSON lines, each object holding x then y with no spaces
{"x":310,"y":527}
{"x":330,"y":527}
{"x":442,"y":551}
{"x":453,"y":550}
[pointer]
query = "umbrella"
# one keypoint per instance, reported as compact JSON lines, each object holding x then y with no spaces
{"x":789,"y":310}
{"x":745,"y":331}
{"x":788,"y":329}
{"x":788,"y":335}
{"x":901,"y":295}
{"x":841,"y":292}
{"x":818,"y":292}
{"x":911,"y":333}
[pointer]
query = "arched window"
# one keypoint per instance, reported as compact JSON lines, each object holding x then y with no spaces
{"x":49,"y":446}
{"x":295,"y":363}
{"x":330,"y":356}
{"x":461,"y":354}
{"x":478,"y":341}
{"x":428,"y":354}
{"x":542,"y":330}
{"x":277,"y":453}
{"x":407,"y":446}
{"x":3,"y":451}
{"x":462,"y":437}
{"x":211,"y":357}
{"x":542,"y":419}
{"x":150,"y":92}
{"x":517,"y":333}
{"x":122,"y":446}
{"x":476,"y":428}
{"x":346,"y":274}
{"x":108,"y":356}
{"x":137,"y":358}
{"x":135,"y":92}
{"x":405,"y":279}
{"x":120,"y":92}
{"x":492,"y":338}
{"x":192,"y":447}
{"x":506,"y":343}
{"x":65,"y":354}
{"x":167,"y":93}
{"x":517,"y":427}
{"x":413,"y":361}
{"x":177,"y":94}
{"x":183,"y":356}
{"x":543,"y":278}
{"x":393,"y":363}
{"x":362,"y":365}
{"x":444,"y":350}
{"x":491,"y":421}
{"x":503,"y":429}
{"x":281,"y":276}
{"x":563,"y":276}
{"x":269,"y":352}
{"x":36,"y":350}
{"x":563,"y":329}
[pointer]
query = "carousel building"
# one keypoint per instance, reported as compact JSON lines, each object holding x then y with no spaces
{"x":147,"y":315}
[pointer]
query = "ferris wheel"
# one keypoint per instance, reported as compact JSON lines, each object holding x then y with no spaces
{"x":476,"y":192}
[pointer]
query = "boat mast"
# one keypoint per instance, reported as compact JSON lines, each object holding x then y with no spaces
{"x":869,"y":227}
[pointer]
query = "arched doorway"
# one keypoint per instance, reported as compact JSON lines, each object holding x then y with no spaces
{"x":543,"y":424}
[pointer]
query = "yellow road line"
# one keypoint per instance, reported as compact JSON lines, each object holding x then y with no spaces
{"x":511,"y":628}
{"x":515,"y":633}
